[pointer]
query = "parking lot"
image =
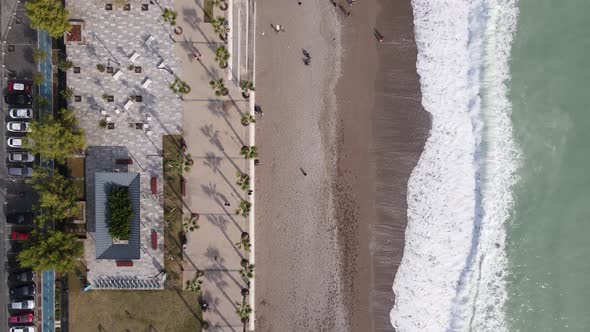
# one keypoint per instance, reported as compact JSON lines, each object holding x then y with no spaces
{"x":19,"y":41}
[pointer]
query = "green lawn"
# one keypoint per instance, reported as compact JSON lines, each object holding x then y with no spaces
{"x":137,"y":311}
{"x":172,"y":213}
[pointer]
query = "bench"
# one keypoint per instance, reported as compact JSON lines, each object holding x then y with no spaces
{"x":124,"y":263}
{"x":154,"y":185}
{"x":149,"y":40}
{"x":154,"y":239}
{"x":133,"y":56}
{"x":127,"y":161}
{"x":146,"y":83}
{"x":128,"y":104}
{"x":117,"y":74}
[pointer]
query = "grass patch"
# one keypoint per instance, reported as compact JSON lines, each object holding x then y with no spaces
{"x":208,"y":9}
{"x":158,"y":310}
{"x":172,"y":213}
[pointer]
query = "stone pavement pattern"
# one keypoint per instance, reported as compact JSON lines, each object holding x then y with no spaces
{"x":110,"y":38}
{"x":214,"y":136}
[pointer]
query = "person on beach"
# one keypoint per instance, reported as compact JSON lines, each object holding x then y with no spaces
{"x":197,"y":54}
{"x":378,"y":35}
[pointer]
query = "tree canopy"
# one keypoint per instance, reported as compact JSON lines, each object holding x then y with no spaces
{"x":120,"y":213}
{"x":48,"y":15}
{"x":57,"y":196}
{"x":53,"y":250}
{"x":56,"y":139}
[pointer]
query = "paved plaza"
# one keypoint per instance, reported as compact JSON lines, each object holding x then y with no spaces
{"x":134,"y":129}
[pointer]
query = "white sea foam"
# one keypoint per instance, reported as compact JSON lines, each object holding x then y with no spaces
{"x":459,"y":195}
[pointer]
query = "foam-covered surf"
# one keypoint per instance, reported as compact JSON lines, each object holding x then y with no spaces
{"x":459,"y":195}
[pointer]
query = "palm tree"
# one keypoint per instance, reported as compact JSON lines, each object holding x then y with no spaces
{"x":180,"y":87}
{"x":246,"y":86}
{"x":221,"y":56}
{"x":194,"y":285}
{"x":169,"y":16}
{"x":244,"y":243}
{"x":243,"y":180}
{"x":67,"y":93}
{"x":247,"y":118}
{"x":244,"y":208}
{"x":219,"y":87}
{"x":244,"y":311}
{"x":220,"y":27}
{"x":247,"y":270}
{"x":220,"y":3}
{"x":181,"y":162}
{"x":190,"y":223}
{"x":249,"y":152}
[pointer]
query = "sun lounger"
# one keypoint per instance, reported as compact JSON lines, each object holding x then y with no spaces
{"x":133,"y":56}
{"x":117,"y":110}
{"x":128,"y":104}
{"x":146,"y":83}
{"x":162,"y":64}
{"x":149,"y":40}
{"x":117,"y":74}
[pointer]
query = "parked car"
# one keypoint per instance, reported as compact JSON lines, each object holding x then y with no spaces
{"x":23,"y":329}
{"x":19,"y":236}
{"x":25,"y":172}
{"x":22,"y":305}
{"x":21,"y":113}
{"x":15,"y":86}
{"x":19,"y":218}
{"x":18,"y":99}
{"x":15,"y":142}
{"x":23,"y":291}
{"x":18,"y":126}
{"x":24,"y":318}
{"x":23,"y":276}
{"x":21,"y":157}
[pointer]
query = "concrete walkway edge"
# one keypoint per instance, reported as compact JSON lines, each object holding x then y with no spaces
{"x":252,"y":141}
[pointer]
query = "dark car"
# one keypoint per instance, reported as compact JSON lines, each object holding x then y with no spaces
{"x":20,"y":218}
{"x":24,"y":291}
{"x":15,"y":99}
{"x":23,"y":276}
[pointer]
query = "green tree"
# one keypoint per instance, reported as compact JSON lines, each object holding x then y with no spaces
{"x":120,"y":213}
{"x":244,"y":208}
{"x":169,"y":16}
{"x":249,"y":152}
{"x":220,"y":26}
{"x":182,"y":162}
{"x":247,"y":86}
{"x":244,"y":311}
{"x":219,"y":87}
{"x":244,"y":243}
{"x":54,"y":250}
{"x":247,"y":118}
{"x":247,"y":270}
{"x":67,"y":93}
{"x":180,"y":87}
{"x":221,"y":56}
{"x":56,"y":139}
{"x":243,"y":180}
{"x":65,"y":64}
{"x":194,"y":285}
{"x":38,"y":79}
{"x":39,"y":55}
{"x":48,"y":15}
{"x":57,"y":196}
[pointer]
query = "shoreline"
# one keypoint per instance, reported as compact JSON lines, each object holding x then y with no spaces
{"x":329,"y":242}
{"x":384,"y":130}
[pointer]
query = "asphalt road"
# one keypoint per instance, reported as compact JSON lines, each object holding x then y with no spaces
{"x":15,"y":194}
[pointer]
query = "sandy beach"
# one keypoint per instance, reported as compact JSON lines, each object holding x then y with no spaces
{"x":329,"y":243}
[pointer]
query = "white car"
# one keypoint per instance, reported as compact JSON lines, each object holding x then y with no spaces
{"x":21,"y":113}
{"x":26,"y":172}
{"x":21,"y":157}
{"x":18,"y":126}
{"x":15,"y":142}
{"x":23,"y":329}
{"x":22,"y":305}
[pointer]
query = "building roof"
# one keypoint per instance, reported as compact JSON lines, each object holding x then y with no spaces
{"x":105,"y":248}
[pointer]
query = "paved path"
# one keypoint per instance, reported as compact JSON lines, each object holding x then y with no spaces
{"x":214,"y":136}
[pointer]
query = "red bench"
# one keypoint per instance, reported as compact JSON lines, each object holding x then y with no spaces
{"x":154,"y":185}
{"x":154,"y":239}
{"x":124,"y":263}
{"x":128,"y":161}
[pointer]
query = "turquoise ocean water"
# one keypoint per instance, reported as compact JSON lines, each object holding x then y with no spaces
{"x":549,"y":232}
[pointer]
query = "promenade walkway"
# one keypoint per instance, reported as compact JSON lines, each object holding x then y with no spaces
{"x":214,"y":136}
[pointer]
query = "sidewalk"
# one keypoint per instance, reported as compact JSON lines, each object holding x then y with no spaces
{"x":214,"y":136}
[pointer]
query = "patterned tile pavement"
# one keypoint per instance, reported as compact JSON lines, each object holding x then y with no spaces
{"x":111,"y":37}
